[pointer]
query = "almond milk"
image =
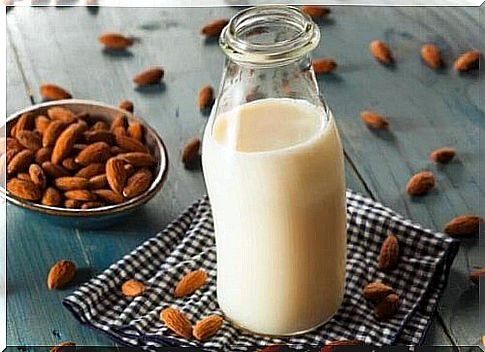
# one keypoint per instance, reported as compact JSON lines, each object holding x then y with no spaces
{"x":274,"y":172}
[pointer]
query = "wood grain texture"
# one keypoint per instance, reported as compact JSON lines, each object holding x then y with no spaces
{"x":426,"y":109}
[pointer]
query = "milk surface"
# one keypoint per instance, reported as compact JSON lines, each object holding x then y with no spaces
{"x":275,"y":178}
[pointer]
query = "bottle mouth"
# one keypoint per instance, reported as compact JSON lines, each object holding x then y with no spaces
{"x":269,"y":35}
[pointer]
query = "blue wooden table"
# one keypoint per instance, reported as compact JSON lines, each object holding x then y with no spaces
{"x":427,"y":109}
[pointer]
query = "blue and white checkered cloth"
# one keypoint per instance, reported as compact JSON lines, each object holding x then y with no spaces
{"x":188,"y":244}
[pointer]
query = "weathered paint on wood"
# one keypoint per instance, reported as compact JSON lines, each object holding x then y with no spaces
{"x":423,"y":107}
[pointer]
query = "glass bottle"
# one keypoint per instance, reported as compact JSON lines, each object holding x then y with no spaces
{"x":274,"y":171}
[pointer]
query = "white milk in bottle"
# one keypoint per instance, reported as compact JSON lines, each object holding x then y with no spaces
{"x":274,"y":173}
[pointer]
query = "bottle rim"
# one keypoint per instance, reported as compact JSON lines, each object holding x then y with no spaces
{"x":244,"y":51}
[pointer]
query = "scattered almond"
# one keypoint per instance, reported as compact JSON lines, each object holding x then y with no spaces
{"x":137,"y":159}
{"x":190,"y":152}
{"x":91,"y":170}
{"x":431,"y":55}
{"x":115,"y":41}
{"x":73,"y":203}
{"x":24,"y":189}
{"x":116,"y":174}
{"x":443,"y":155}
{"x":464,"y":225}
{"x":43,"y":155}
{"x":190,"y":283}
{"x":100,"y":126}
{"x":20,"y":161}
{"x":374,"y":120}
{"x":29,"y":139}
{"x":135,"y":130}
{"x":381,"y":52}
{"x":98,"y":182}
{"x":70,"y":164}
{"x":99,"y":136}
{"x":25,"y":122}
{"x":109,"y":196}
{"x":54,"y":170}
{"x":91,"y":205}
{"x":376,"y":291}
{"x":149,"y":76}
{"x":176,"y":321}
{"x":421,"y":183}
{"x":59,"y":113}
{"x":120,"y":120}
{"x":52,"y":132}
{"x":64,"y":143}
{"x":126,"y":105}
{"x":59,"y":347}
{"x":129,"y":144}
{"x":205,"y":97}
{"x":41,"y":123}
{"x":132,"y":288}
{"x":387,"y":307}
{"x":324,"y":65}
{"x":467,"y":61}
{"x":214,"y":28}
{"x":97,"y":152}
{"x":51,"y":91}
{"x":389,"y":255}
{"x":61,"y":274}
{"x":316,"y":12}
{"x":207,"y":327}
{"x":82,"y":195}
{"x":23,"y":176}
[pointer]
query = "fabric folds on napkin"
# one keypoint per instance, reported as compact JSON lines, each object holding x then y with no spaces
{"x":188,"y":244}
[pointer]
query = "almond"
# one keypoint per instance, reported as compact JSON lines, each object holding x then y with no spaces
{"x":190,"y":283}
{"x":43,"y":155}
{"x":69,"y":183}
{"x":100,"y":126}
{"x":115,"y":41}
{"x":24,"y":189}
{"x":54,"y":170}
{"x":149,"y":76}
{"x":10,"y":143}
{"x":73,"y":204}
{"x":381,"y":52}
{"x":65,"y":142}
{"x":376,"y":291}
{"x":205,"y":97}
{"x":421,"y":183}
{"x":316,"y":12}
{"x":26,"y":121}
{"x":431,"y":55}
{"x":387,"y":307}
{"x":59,"y":347}
{"x":61,"y":274}
{"x":91,"y":170}
{"x":130,"y":144}
{"x":91,"y":205}
{"x":109,"y":196}
{"x":135,"y":130}
{"x":78,"y":148}
{"x":51,"y":197}
{"x":50,"y":91}
{"x":389,"y":255}
{"x":374,"y":120}
{"x":126,"y":105}
{"x":214,"y":28}
{"x":190,"y":152}
{"x":176,"y":321}
{"x":70,"y":164}
{"x":98,"y":182}
{"x":464,"y":225}
{"x":20,"y":161}
{"x":97,"y":152}
{"x":41,"y":123}
{"x":52,"y":132}
{"x":137,"y":183}
{"x":132,"y":288}
{"x":119,"y":120}
{"x":330,"y":346}
{"x":324,"y":65}
{"x":137,"y":159}
{"x":23,"y":176}
{"x":119,"y":131}
{"x":475,"y":275}
{"x":116,"y":174}
{"x":82,"y":195}
{"x":37,"y":176}
{"x":207,"y":327}
{"x":61,"y":114}
{"x":29,"y":139}
{"x":443,"y":155}
{"x":99,"y":136}
{"x":467,"y":61}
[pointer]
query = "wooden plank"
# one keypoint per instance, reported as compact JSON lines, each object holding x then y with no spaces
{"x":82,"y":67}
{"x":427,"y":110}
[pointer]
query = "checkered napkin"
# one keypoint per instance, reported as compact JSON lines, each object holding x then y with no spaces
{"x":188,"y":244}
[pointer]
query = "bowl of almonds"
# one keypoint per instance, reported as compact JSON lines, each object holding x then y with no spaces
{"x":80,"y":163}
